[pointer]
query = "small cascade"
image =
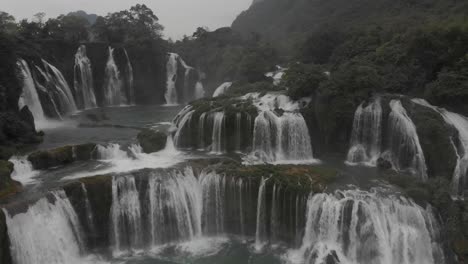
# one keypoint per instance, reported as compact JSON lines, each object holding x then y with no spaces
{"x":282,"y":139}
{"x":199,"y":90}
{"x":261,"y":229}
{"x":201,"y":131}
{"x":125,"y":216}
{"x":404,"y":151}
{"x":111,"y":152}
{"x":171,"y":68}
{"x":83,"y":84}
{"x":130,"y":88}
{"x":213,"y":189}
{"x":47,"y":233}
{"x":182,"y":131}
{"x":240,"y":186}
{"x":113,"y":84}
{"x":89,"y":211}
{"x":175,"y":207}
{"x":218,"y":144}
{"x":222,"y":89}
{"x":29,"y":96}
{"x":274,"y":224}
{"x":460,"y":174}
{"x":366,"y":138}
{"x":277,"y":75}
{"x":23,"y":170}
{"x":238,"y":137}
{"x":57,"y":88}
{"x":361,"y":227}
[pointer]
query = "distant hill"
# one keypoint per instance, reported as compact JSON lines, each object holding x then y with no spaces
{"x":289,"y":20}
{"x":90,"y":17}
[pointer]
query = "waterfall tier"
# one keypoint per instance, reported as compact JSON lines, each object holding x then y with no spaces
{"x":84,"y":83}
{"x":29,"y":96}
{"x":118,"y":83}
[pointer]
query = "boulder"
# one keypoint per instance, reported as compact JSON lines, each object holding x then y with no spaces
{"x":7,"y":185}
{"x":152,"y":141}
{"x":44,"y":159}
{"x":384,"y":164}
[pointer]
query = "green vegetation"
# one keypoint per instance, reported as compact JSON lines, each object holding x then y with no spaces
{"x":301,"y":178}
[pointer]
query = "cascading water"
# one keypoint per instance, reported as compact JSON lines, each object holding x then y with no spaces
{"x":213,"y":187}
{"x":222,"y":89}
{"x":111,"y":152}
{"x":23,"y":170}
{"x":83,"y":84}
{"x":126,"y":215}
{"x":366,"y":138}
{"x":218,"y":144}
{"x":29,"y":95}
{"x":282,"y":139}
{"x":181,"y":125}
{"x":130,"y":92}
{"x":47,"y":233}
{"x":171,"y":68}
{"x":361,"y":227}
{"x":113,"y":83}
{"x":238,"y":132}
{"x":404,"y":151}
{"x":199,"y":90}
{"x":260,"y":233}
{"x":460,"y":174}
{"x":57,"y":88}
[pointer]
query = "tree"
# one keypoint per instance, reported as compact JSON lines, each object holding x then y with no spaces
{"x":39,"y":18}
{"x":7,"y":22}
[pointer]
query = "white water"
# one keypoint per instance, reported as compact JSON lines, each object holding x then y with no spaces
{"x":218,"y":144}
{"x":113,"y":84}
{"x":405,"y":152}
{"x":260,"y":233}
{"x":213,"y":190}
{"x":58,"y":89}
{"x":277,"y":75}
{"x":83,"y":76}
{"x":199,"y":90}
{"x":125,"y":215}
{"x":29,"y":95}
{"x":171,"y":68}
{"x":129,"y":80}
{"x":222,"y":89}
{"x":460,"y":123}
{"x":181,"y":124}
{"x":23,"y":170}
{"x":366,"y":137}
{"x":47,"y":233}
{"x":362,"y":227}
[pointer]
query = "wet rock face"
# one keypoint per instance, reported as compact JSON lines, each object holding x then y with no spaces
{"x":45,"y":159}
{"x":5,"y":256}
{"x":384,"y":164}
{"x":152,"y":141}
{"x":7,"y":185}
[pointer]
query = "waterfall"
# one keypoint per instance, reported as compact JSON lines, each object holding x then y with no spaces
{"x":171,"y":68}
{"x":23,"y":170}
{"x":274,"y":226}
{"x":47,"y":233}
{"x":83,"y":76}
{"x":89,"y":211}
{"x":213,"y":187}
{"x":125,"y":215}
{"x":199,"y":90}
{"x":129,"y":80}
{"x":113,"y":85}
{"x":282,"y":139}
{"x":218,"y":144}
{"x":238,"y":137}
{"x":361,"y":227}
{"x":366,"y":137}
{"x":222,"y":89}
{"x":29,"y":95}
{"x":460,"y":123}
{"x":111,"y":152}
{"x":182,"y":125}
{"x":240,"y":185}
{"x":57,"y":88}
{"x":260,"y":233}
{"x":201,"y":131}
{"x":175,"y":207}
{"x":405,"y":151}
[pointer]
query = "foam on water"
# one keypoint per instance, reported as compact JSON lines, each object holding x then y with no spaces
{"x":23,"y":170}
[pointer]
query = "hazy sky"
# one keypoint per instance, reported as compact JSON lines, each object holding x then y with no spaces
{"x":178,"y":16}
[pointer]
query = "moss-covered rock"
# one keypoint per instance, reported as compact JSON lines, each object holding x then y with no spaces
{"x":7,"y":185}
{"x":435,"y":136}
{"x":45,"y":159}
{"x":300,"y":178}
{"x":152,"y":140}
